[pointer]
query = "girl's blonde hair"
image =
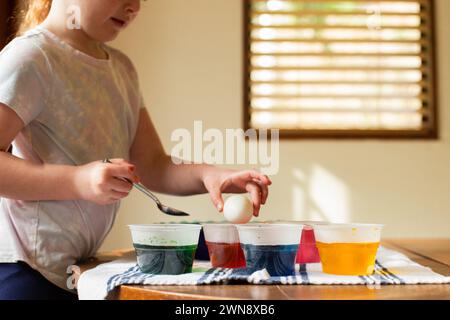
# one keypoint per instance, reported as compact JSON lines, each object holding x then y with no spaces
{"x":32,"y":13}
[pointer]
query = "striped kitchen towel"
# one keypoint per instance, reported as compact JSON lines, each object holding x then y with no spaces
{"x":391,"y":268}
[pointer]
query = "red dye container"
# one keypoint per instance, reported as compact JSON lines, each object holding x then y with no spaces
{"x":222,"y":240}
{"x":226,"y":255}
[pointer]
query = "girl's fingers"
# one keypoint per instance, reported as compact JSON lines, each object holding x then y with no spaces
{"x":255,"y":193}
{"x":253,"y":174}
{"x":216,"y":196}
{"x":123,"y":171}
{"x":264,"y":191}
{"x":120,"y":161}
{"x":116,"y":195}
{"x":262,"y":177}
{"x":120,"y":185}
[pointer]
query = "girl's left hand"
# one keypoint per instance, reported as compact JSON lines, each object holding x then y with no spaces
{"x":218,"y":180}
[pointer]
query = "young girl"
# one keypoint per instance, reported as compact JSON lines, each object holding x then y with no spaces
{"x":68,"y":101}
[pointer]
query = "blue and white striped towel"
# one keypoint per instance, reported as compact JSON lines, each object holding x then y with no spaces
{"x":391,"y":268}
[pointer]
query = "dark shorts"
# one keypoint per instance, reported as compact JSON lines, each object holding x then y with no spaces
{"x":18,"y":281}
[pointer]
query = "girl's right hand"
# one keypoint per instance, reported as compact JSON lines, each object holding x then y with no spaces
{"x":103,"y":183}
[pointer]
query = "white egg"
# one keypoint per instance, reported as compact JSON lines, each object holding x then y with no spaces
{"x":238,"y":209}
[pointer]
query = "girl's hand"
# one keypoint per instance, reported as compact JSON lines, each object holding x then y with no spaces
{"x":217,"y":181}
{"x":103,"y":183}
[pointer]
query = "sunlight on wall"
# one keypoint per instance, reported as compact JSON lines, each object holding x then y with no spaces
{"x":320,"y":196}
{"x":330,"y":196}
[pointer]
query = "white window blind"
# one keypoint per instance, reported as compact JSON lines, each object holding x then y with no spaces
{"x":340,"y":68}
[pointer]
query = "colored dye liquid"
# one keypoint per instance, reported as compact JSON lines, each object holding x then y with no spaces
{"x":226,"y":255}
{"x":348,"y":258}
{"x":165,"y":260}
{"x":278,"y":260}
{"x":307,"y":251}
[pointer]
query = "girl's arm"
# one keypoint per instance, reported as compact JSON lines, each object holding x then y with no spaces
{"x":160,"y":174}
{"x":24,"y":180}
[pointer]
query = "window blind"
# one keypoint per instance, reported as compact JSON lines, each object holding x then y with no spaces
{"x":340,"y":68}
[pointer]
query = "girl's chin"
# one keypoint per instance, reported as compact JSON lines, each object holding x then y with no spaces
{"x":107,"y":35}
{"x":111,"y":37}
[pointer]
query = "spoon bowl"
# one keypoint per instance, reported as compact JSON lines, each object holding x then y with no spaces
{"x":163,"y":208}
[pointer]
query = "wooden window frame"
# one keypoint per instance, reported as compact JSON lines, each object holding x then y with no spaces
{"x":424,"y":134}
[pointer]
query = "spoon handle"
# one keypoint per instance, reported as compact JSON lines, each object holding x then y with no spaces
{"x":139,"y":186}
{"x":147,"y":192}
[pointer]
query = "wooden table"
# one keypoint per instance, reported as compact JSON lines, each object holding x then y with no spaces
{"x":434,"y":253}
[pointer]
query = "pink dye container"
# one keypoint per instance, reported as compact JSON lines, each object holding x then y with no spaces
{"x":307,"y":251}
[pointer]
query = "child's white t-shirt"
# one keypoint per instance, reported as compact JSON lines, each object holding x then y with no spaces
{"x":76,"y":109}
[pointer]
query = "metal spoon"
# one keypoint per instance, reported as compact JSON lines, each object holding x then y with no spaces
{"x":161,"y":207}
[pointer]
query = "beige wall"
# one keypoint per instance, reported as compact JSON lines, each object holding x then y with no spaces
{"x":188,"y":54}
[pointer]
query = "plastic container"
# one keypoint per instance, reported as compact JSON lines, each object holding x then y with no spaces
{"x":307,"y":251}
{"x":165,"y":248}
{"x":271,"y":246}
{"x":202,"y":250}
{"x":222,"y":240}
{"x":348,"y":249}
